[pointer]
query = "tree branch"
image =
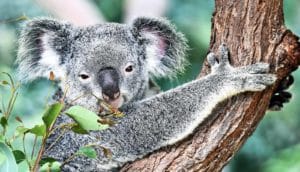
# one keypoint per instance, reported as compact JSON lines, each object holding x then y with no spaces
{"x":254,"y":31}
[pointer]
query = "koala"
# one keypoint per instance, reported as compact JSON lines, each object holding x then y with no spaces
{"x":114,"y":63}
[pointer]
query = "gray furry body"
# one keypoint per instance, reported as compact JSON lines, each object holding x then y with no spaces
{"x":124,"y":57}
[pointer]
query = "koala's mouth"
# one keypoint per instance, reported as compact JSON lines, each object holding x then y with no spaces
{"x":115,"y":103}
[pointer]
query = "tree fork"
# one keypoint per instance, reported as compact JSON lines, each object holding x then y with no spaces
{"x":254,"y":31}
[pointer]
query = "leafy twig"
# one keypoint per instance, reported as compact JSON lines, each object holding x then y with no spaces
{"x":68,"y":159}
{"x":65,"y":125}
{"x":57,"y":139}
{"x":34,"y":144}
{"x":24,"y":150}
{"x":22,"y":17}
{"x":40,"y":154}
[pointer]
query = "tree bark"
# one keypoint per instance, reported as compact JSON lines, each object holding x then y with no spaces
{"x":254,"y":31}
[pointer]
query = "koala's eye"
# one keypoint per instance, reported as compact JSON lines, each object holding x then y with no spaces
{"x":129,"y":68}
{"x":84,"y":76}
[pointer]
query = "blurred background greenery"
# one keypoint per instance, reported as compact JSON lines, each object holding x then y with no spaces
{"x":273,"y":147}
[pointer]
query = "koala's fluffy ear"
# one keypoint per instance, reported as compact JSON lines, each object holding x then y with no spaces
{"x":165,"y":47}
{"x":44,"y":46}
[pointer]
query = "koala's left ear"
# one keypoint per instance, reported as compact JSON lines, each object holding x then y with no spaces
{"x":44,"y":47}
{"x":165,"y":47}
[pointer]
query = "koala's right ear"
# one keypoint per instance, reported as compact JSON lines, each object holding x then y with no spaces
{"x":164,"y":46}
{"x":44,"y":47}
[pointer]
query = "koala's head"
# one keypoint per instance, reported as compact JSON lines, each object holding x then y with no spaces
{"x":112,"y":62}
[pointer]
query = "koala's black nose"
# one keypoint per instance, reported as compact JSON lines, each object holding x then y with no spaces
{"x":109,"y":82}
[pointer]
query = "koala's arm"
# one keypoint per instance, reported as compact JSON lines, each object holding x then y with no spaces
{"x":173,"y":115}
{"x":170,"y":116}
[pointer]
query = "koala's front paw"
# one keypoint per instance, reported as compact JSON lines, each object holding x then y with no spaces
{"x":253,"y":77}
{"x":219,"y":63}
{"x":257,"y":82}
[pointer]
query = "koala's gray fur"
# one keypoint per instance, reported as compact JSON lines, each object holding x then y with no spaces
{"x":153,"y":48}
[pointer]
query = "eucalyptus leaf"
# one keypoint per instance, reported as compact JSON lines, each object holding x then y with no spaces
{"x":2,"y":158}
{"x":38,"y":130}
{"x":85,"y":118}
{"x":87,"y":151}
{"x":3,"y":122}
{"x":19,"y":156}
{"x":50,"y":166}
{"x":51,"y":114}
{"x":18,"y":119}
{"x":46,"y":159}
{"x":5,"y":82}
{"x":20,"y":131}
{"x":9,"y":163}
{"x":79,"y":130}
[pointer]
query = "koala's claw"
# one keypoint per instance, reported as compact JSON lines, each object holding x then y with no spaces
{"x":212,"y":59}
{"x":281,"y":94}
{"x":224,"y":54}
{"x":278,"y":99}
{"x":219,"y":61}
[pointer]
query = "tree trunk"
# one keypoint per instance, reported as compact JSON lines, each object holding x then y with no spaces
{"x":254,"y":31}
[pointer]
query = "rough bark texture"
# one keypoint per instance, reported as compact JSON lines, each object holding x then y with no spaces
{"x":254,"y":31}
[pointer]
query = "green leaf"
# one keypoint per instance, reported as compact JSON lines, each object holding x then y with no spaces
{"x":85,"y":118}
{"x":38,"y":130}
{"x":45,"y":167}
{"x":20,"y":131}
{"x":87,"y":151}
{"x":47,"y":159}
{"x":79,"y":130}
{"x":55,"y":166}
{"x":51,"y":114}
{"x":19,"y":119}
{"x":19,"y":156}
{"x":2,"y":158}
{"x":50,"y":166}
{"x":9,"y":164}
{"x":3,"y":122}
{"x":4,"y":82}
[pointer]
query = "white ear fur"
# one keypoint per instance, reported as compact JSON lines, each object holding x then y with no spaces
{"x":154,"y":54}
{"x":164,"y":47}
{"x":50,"y":59}
{"x":40,"y":49}
{"x":30,"y":68}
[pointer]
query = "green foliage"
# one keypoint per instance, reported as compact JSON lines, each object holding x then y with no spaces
{"x":7,"y":159}
{"x":87,"y":151}
{"x":38,"y":130}
{"x":51,"y":114}
{"x":111,"y":9}
{"x":50,"y":167}
{"x":19,"y":156}
{"x":86,"y":119}
{"x":286,"y":160}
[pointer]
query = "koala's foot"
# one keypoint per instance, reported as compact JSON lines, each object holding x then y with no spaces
{"x":253,"y":77}
{"x":281,"y":96}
